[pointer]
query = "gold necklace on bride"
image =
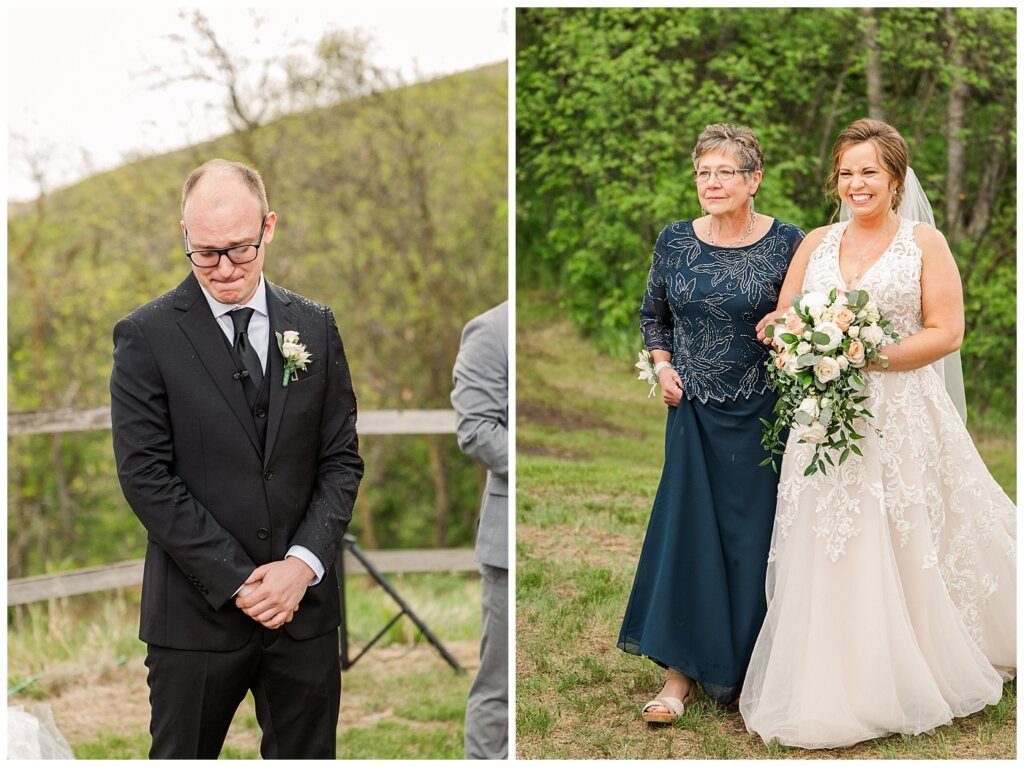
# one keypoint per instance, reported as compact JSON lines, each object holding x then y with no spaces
{"x":864,"y":251}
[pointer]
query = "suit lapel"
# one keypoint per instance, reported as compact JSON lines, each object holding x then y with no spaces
{"x":206,"y":337}
{"x":282,"y":318}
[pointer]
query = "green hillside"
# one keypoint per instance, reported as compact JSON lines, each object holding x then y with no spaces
{"x":392,"y":209}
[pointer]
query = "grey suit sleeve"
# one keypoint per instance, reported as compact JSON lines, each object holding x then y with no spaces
{"x":480,"y":396}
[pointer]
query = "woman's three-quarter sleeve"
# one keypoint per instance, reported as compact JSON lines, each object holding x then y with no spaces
{"x":655,"y":315}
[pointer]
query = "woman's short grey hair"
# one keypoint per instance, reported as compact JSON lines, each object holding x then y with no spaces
{"x":730,"y":138}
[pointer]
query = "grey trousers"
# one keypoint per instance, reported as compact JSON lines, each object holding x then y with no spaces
{"x":487,"y":707}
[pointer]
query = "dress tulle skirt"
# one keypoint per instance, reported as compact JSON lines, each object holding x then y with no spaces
{"x":698,"y":598}
{"x":891,"y":582}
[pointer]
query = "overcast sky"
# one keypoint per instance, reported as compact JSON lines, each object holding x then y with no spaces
{"x":76,"y":94}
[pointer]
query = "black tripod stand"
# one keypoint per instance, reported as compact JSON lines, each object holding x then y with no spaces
{"x":349,"y":544}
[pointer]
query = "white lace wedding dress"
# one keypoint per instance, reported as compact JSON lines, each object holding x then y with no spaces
{"x":891,"y":581}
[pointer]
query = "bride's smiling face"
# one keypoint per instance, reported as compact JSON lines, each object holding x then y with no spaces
{"x":863,"y":182}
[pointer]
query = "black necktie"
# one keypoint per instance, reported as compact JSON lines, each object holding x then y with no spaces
{"x":251,"y":360}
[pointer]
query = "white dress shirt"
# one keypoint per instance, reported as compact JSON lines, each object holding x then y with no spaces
{"x":259,"y":339}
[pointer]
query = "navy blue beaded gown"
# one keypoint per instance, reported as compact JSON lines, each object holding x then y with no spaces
{"x":698,"y":599}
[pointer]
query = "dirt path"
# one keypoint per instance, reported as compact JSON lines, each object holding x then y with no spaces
{"x":116,"y":700}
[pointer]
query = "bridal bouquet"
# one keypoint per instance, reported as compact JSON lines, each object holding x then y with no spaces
{"x":819,"y":348}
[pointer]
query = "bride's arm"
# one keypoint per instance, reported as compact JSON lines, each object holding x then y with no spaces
{"x":942,"y":306}
{"x":794,"y":281}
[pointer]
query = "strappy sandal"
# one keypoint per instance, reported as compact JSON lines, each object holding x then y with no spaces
{"x":674,"y":705}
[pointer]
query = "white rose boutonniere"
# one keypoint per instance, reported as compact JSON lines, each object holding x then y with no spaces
{"x":295,"y":355}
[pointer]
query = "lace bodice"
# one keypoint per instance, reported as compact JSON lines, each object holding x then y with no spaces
{"x":703,"y":303}
{"x":893,"y":282}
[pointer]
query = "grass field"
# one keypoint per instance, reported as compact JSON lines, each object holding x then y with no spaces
{"x":82,"y":658}
{"x":588,"y":459}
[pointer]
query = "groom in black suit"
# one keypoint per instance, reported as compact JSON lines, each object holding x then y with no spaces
{"x":245,"y":484}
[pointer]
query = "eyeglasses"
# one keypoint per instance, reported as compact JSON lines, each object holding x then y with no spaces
{"x":207,"y":258}
{"x":723,"y":174}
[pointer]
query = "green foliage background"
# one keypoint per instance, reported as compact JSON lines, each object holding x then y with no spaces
{"x":392,"y":210}
{"x":609,"y":103}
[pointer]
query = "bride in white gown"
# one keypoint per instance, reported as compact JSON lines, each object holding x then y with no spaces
{"x":891,"y":580}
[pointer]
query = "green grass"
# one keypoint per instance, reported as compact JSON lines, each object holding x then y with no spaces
{"x":109,"y":745}
{"x":400,"y":700}
{"x":589,"y":452}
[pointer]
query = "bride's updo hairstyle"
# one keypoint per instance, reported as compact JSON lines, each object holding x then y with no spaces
{"x":892,"y":152}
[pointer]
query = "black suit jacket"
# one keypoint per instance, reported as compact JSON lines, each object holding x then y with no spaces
{"x":214,"y":501}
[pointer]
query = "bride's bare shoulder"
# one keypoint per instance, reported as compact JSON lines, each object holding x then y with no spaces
{"x":813,"y":239}
{"x":927,"y":236}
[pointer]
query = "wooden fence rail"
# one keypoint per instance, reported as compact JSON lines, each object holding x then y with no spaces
{"x":122,"y":574}
{"x":370,"y":421}
{"x":37,"y":588}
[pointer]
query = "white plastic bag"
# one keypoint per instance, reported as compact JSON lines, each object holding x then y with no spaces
{"x":35,"y":735}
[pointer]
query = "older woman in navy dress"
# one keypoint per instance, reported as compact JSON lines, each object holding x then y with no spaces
{"x":698,"y":597}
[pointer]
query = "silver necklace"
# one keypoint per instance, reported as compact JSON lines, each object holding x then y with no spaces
{"x":742,"y":237}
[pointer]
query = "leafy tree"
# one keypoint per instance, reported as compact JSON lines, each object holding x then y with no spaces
{"x":609,"y":102}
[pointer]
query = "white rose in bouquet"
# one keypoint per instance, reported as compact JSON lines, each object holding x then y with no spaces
{"x":827,"y":370}
{"x":810,"y":406}
{"x":854,"y":331}
{"x":814,"y":302}
{"x":803,"y":348}
{"x":790,"y":365}
{"x":835,"y":336}
{"x":814,"y":434}
{"x":872,"y":334}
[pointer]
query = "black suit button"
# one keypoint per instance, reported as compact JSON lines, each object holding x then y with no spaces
{"x":268,"y":474}
{"x":263,"y":533}
{"x":261,"y":413}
